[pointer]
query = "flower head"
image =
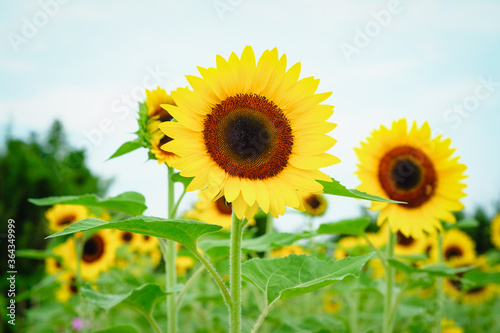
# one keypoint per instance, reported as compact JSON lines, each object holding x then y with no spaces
{"x":411,"y":167}
{"x":251,"y":132}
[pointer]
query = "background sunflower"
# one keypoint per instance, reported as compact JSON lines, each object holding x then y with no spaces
{"x":411,"y":166}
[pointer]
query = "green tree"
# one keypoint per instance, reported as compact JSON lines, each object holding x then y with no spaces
{"x":36,"y":168}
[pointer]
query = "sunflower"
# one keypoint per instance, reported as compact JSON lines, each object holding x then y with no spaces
{"x":474,"y":296}
{"x":330,"y":303}
{"x":457,"y":245}
{"x":61,"y":216}
{"x":413,"y":168}
{"x":408,"y":245}
{"x":144,"y":243}
{"x":182,"y":264}
{"x":98,"y":254}
{"x":67,"y":287}
{"x":495,"y":232}
{"x":313,"y":204}
{"x":251,"y":132}
{"x":448,"y":326}
{"x":126,"y":237}
{"x":157,"y":115}
{"x":285,"y":251}
{"x":53,"y":266}
{"x":216,"y":212}
{"x":348,"y":244}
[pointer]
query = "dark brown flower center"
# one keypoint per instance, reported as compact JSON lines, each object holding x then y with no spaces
{"x":93,"y":249}
{"x":127,"y":236}
{"x":407,"y":174}
{"x":223,"y":206}
{"x":72,"y":286}
{"x":248,"y":136}
{"x":313,"y":202}
{"x":403,"y":240}
{"x":146,"y":237}
{"x":66,"y":219}
{"x":453,"y":252}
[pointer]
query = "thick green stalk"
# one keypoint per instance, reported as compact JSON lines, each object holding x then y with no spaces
{"x":439,"y":286}
{"x":237,"y":227}
{"x":390,"y":281}
{"x":170,"y":271}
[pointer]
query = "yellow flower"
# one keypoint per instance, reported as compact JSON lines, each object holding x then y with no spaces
{"x":144,"y":243}
{"x":448,"y":326}
{"x":182,"y":264}
{"x":126,"y":237}
{"x":457,"y":245}
{"x":157,"y":115}
{"x":61,"y":216}
{"x":313,"y":204}
{"x":408,"y":245}
{"x":251,"y":132}
{"x":285,"y":251}
{"x":53,"y":266}
{"x":67,"y":287}
{"x":411,"y":167}
{"x":495,"y":232}
{"x":216,"y":212}
{"x":345,"y":245}
{"x":98,"y":254}
{"x":475,"y":296}
{"x":331,"y":303}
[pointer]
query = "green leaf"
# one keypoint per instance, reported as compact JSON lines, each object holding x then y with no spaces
{"x":335,"y":188}
{"x":143,"y":297}
{"x":176,"y":177}
{"x":125,"y":148}
{"x":401,"y":266}
{"x":259,"y":244}
{"x":284,"y":278}
{"x":444,"y":270}
{"x":354,"y":227}
{"x":480,"y":278}
{"x":119,"y":329}
{"x":132,"y":203}
{"x":185,"y":232}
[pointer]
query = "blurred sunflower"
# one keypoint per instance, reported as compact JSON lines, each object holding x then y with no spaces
{"x":157,"y":115}
{"x":285,"y":251}
{"x":331,"y":303}
{"x":98,"y":254}
{"x":346,"y":245}
{"x":251,"y":132}
{"x":448,"y":326}
{"x":457,"y":245}
{"x":61,"y":216}
{"x":125,"y":237}
{"x":67,"y":287}
{"x":313,"y":204}
{"x":474,"y":296}
{"x":144,"y":243}
{"x":408,"y":245}
{"x":183,"y":264}
{"x":53,"y":265}
{"x":216,"y":212}
{"x":411,"y":167}
{"x":495,"y":232}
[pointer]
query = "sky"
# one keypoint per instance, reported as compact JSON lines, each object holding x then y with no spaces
{"x":88,"y":63}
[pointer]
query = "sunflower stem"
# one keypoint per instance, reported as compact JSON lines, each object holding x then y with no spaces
{"x":237,"y":227}
{"x":263,"y":315}
{"x":387,"y":324}
{"x":439,"y":286}
{"x":170,"y":271}
{"x":269,"y":230}
{"x":210,"y":268}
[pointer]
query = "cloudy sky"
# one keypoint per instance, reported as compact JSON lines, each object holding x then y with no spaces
{"x":88,"y":63}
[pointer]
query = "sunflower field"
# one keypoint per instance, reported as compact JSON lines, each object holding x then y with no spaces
{"x":249,"y":137}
